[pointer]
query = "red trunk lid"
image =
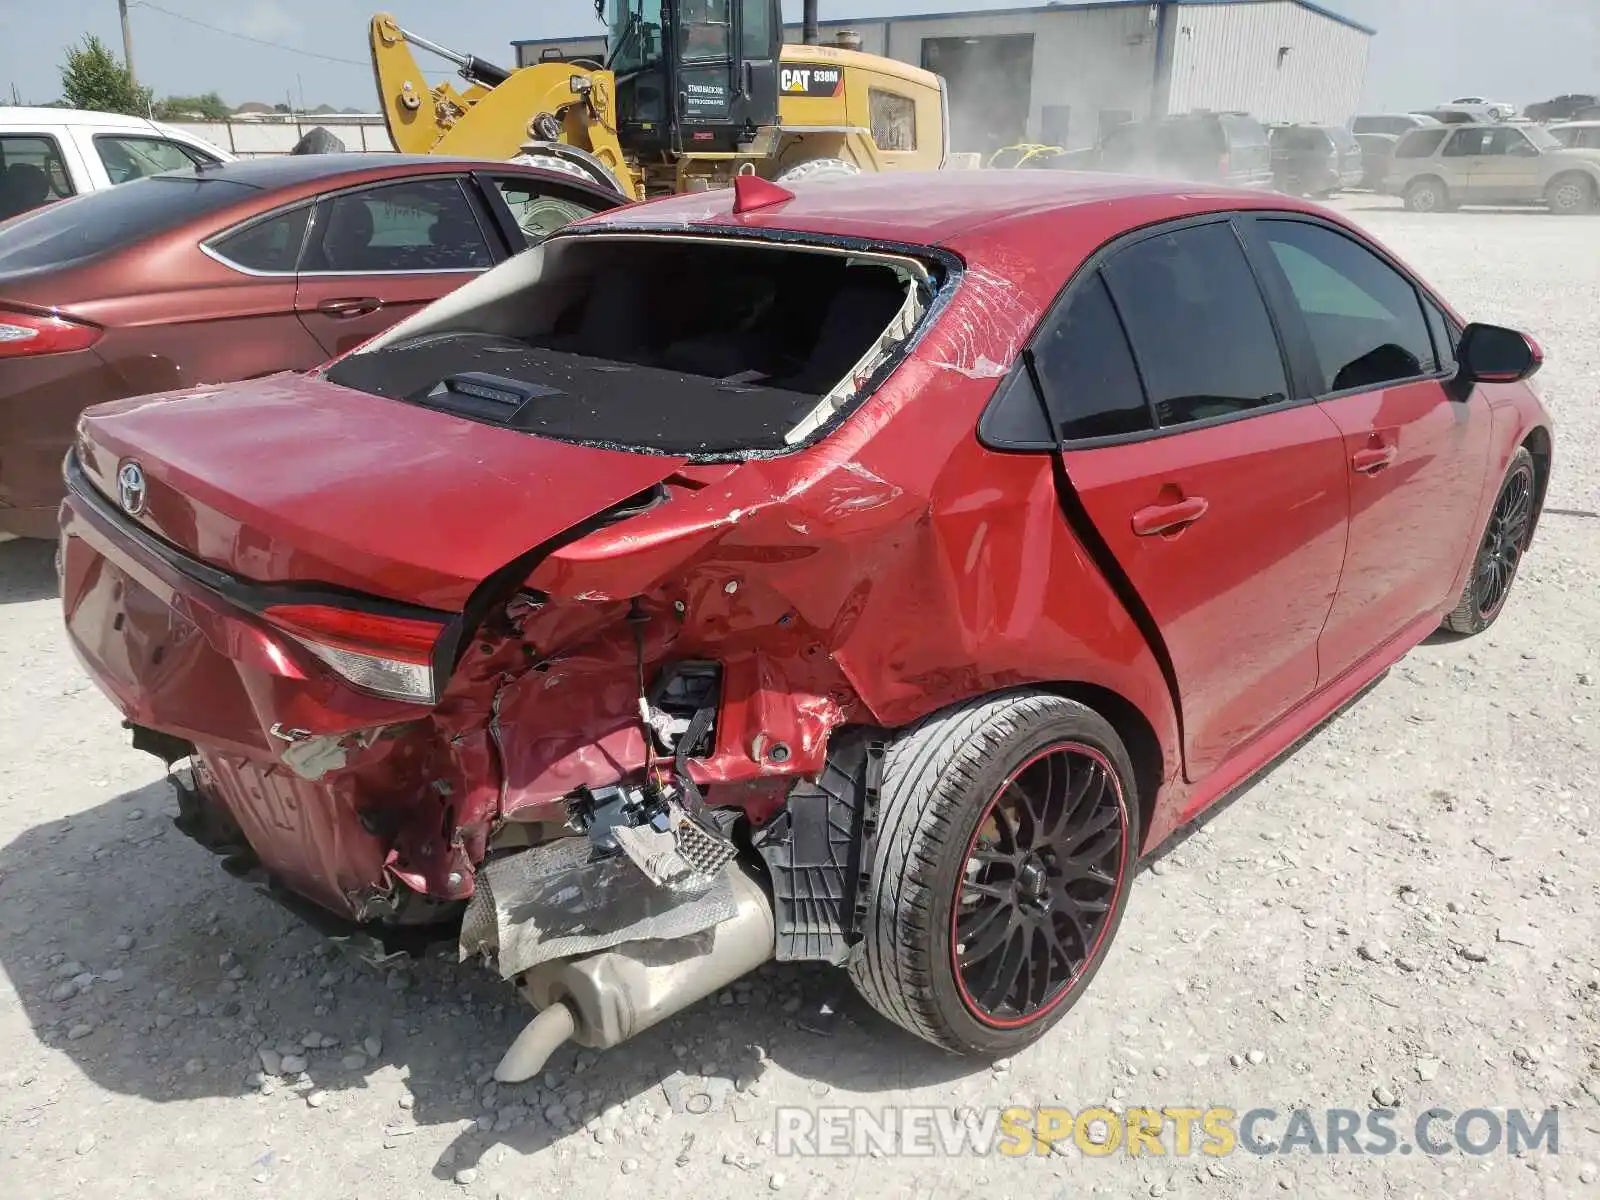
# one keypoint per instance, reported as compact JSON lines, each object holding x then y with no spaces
{"x":294,"y":479}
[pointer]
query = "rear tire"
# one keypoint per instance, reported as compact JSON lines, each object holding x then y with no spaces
{"x":1009,"y":830}
{"x":819,"y":168}
{"x":1570,"y":195}
{"x":1500,"y":550}
{"x":1427,"y":196}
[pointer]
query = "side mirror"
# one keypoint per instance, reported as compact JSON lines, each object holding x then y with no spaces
{"x":1492,"y":354}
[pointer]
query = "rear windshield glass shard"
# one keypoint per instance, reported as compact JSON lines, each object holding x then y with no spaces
{"x":678,"y":345}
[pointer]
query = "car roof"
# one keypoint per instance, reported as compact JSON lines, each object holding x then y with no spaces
{"x":290,"y":170}
{"x":937,"y":208}
{"x":1584,"y":124}
{"x":70,"y":116}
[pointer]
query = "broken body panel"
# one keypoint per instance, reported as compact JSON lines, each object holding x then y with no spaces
{"x":419,"y":616}
{"x":859,"y":579}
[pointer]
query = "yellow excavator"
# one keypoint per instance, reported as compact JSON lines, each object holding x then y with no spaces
{"x":691,"y":94}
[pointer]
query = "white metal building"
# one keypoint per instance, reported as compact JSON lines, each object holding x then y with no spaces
{"x":1064,"y":73}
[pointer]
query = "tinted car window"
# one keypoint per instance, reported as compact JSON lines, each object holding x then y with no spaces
{"x":271,"y":245}
{"x":31,"y":174}
{"x":1420,"y":143}
{"x":536,"y":214}
{"x":129,"y":158}
{"x":97,"y":222}
{"x":1087,"y":370}
{"x":420,"y":225}
{"x":1243,"y":131}
{"x":1471,"y":142}
{"x":1364,"y":317}
{"x":1444,"y":336}
{"x":1198,"y":324}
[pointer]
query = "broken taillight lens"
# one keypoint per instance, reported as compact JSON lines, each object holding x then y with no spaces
{"x":25,"y":335}
{"x":389,"y":656}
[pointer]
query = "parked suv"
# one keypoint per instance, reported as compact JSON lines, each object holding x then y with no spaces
{"x":1315,"y":160}
{"x":1440,"y":169}
{"x":1577,"y":135}
{"x":1210,"y":147}
{"x":48,"y":154}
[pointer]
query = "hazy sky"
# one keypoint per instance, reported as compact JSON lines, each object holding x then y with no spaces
{"x":1426,"y":51}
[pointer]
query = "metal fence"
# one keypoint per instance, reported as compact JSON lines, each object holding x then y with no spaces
{"x":261,"y":139}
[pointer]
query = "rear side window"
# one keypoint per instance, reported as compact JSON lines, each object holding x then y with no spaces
{"x":420,"y":225}
{"x":271,"y":246}
{"x":894,"y":120}
{"x":32,"y":173}
{"x":97,"y":222}
{"x":1364,"y":317}
{"x":1468,"y":142}
{"x":1198,"y":324}
{"x":129,"y":158}
{"x":1420,"y":143}
{"x":1087,"y":369}
{"x":1242,"y":131}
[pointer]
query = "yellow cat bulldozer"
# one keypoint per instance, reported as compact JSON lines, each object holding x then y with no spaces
{"x":691,"y":93}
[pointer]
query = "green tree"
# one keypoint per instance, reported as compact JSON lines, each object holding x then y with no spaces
{"x":210,"y":107}
{"x":93,"y":79}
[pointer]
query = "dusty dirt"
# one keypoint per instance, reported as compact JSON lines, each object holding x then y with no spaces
{"x":1316,"y":943}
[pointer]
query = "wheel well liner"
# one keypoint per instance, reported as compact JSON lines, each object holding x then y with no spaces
{"x":1539,"y":445}
{"x":1137,"y":734}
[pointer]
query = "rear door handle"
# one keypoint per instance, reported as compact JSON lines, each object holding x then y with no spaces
{"x":1169,"y":518}
{"x":1370,"y":462}
{"x":354,"y":306}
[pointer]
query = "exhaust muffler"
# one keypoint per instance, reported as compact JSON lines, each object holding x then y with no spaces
{"x":601,"y":999}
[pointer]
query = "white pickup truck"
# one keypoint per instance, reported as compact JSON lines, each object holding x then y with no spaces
{"x":48,"y":154}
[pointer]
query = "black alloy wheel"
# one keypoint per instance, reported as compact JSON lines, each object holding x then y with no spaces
{"x":1041,"y":875}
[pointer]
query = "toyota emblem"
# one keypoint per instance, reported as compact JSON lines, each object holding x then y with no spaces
{"x":131,"y":491}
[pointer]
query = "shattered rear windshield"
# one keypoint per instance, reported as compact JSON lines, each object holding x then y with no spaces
{"x":679,"y":345}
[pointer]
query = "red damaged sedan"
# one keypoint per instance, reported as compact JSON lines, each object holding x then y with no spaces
{"x":868,"y":575}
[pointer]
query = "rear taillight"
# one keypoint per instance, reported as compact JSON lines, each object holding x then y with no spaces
{"x":26,"y":335}
{"x":386,"y":655}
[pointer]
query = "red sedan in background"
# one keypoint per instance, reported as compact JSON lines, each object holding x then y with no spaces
{"x":869,"y":574}
{"x":234,"y":270}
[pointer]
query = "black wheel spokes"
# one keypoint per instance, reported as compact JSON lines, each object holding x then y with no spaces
{"x":1039,"y":885}
{"x":1504,"y":542}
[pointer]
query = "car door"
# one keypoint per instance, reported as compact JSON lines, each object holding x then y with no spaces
{"x":266,"y":333}
{"x":1507,"y":169}
{"x":375,"y":255}
{"x":1414,"y":458}
{"x":1458,"y":163}
{"x":1220,"y":501}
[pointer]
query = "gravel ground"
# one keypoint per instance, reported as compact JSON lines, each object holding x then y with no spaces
{"x":1404,"y":912}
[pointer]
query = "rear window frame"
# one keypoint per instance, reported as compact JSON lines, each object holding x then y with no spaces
{"x":209,"y":248}
{"x":945,"y":271}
